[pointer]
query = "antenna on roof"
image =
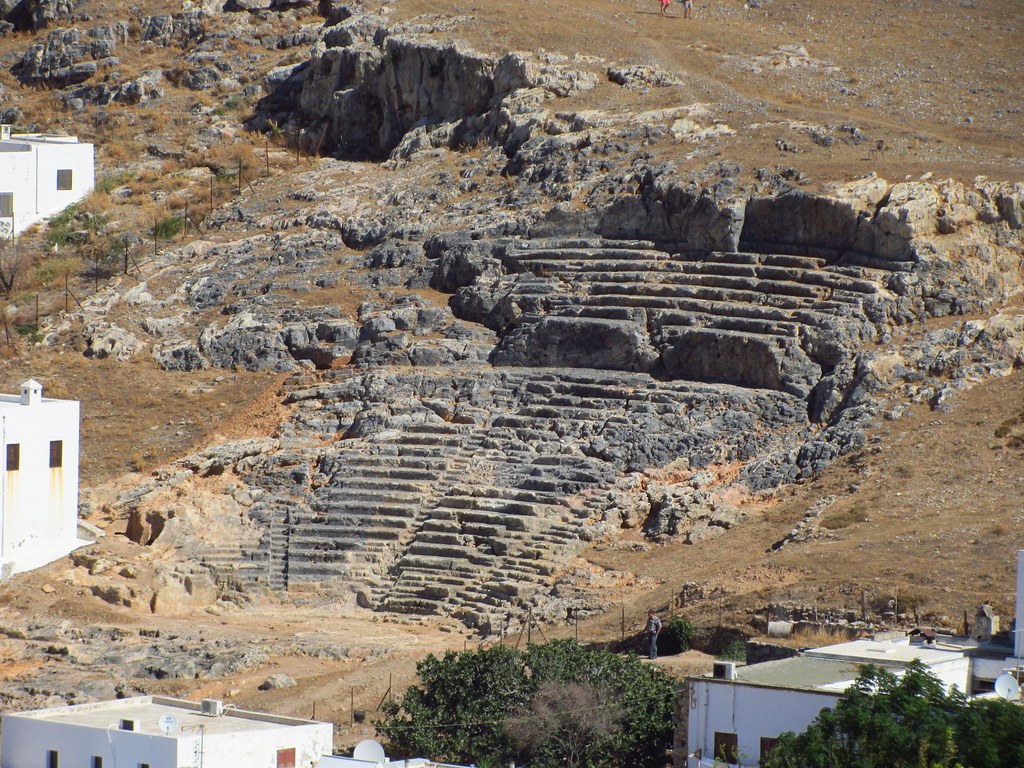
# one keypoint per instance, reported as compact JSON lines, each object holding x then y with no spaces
{"x":1007,"y":687}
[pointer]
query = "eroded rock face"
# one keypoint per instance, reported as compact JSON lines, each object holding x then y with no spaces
{"x":70,"y":56}
{"x":374,"y":87}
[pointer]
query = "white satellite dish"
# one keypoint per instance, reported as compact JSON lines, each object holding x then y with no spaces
{"x":369,"y":750}
{"x":168,"y":723}
{"x":1007,"y":687}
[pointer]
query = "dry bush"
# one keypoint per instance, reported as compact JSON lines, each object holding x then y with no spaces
{"x":844,"y":518}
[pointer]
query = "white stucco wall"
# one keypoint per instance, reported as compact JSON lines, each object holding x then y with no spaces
{"x":38,"y":505}
{"x":1019,"y":636}
{"x":259,"y":749}
{"x":26,"y":741}
{"x":748,"y":711}
{"x":28,"y":169}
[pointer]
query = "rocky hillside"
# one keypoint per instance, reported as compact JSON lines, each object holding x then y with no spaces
{"x":525,"y":304}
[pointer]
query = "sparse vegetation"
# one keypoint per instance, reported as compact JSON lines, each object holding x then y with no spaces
{"x":734,"y":651}
{"x":844,"y":518}
{"x":168,"y":228}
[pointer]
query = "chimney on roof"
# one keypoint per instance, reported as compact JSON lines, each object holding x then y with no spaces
{"x":31,"y":392}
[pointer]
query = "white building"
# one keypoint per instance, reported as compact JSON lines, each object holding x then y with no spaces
{"x":370,"y":754}
{"x":157,"y":732}
{"x":40,"y":175}
{"x":739,"y":712}
{"x":39,"y":494}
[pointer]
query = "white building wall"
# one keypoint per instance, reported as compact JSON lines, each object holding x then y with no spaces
{"x":954,"y":673}
{"x":54,"y":156}
{"x":17,"y":176}
{"x":748,"y":711}
{"x":1019,"y":615}
{"x":258,"y":749}
{"x":38,"y":505}
{"x":26,"y":742}
{"x":28,"y":169}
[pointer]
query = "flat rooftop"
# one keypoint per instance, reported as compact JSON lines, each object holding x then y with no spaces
{"x":832,"y":675}
{"x":14,"y":401}
{"x":875,"y":652}
{"x":146,"y":711}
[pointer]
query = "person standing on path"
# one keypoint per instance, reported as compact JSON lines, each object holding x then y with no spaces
{"x":687,"y":9}
{"x":652,"y":630}
{"x":664,"y":6}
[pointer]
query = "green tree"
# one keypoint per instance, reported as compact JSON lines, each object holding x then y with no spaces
{"x":552,"y":705}
{"x":451,"y":715}
{"x":884,"y":721}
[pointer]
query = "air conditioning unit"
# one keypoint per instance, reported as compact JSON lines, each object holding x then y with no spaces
{"x":724,"y":670}
{"x":212,"y":707}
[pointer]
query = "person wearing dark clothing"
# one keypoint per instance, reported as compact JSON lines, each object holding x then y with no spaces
{"x":652,"y":631}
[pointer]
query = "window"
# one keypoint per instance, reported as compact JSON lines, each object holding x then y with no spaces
{"x":13,"y":457}
{"x":7,"y":204}
{"x":286,"y":758}
{"x":768,"y":743}
{"x":57,"y":460}
{"x":97,"y":761}
{"x":726,"y":747}
{"x":51,"y":758}
{"x":64,"y":180}
{"x":143,"y":765}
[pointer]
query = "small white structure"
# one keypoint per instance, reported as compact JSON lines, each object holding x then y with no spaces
{"x":158,"y":732}
{"x":39,"y":493}
{"x":40,"y":175}
{"x":737,"y":715}
{"x":370,"y":754}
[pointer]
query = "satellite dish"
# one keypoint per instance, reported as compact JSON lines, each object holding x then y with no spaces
{"x":168,"y":723}
{"x":1007,"y":687}
{"x":369,"y":750}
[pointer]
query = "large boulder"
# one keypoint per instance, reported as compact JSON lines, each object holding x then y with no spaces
{"x":578,"y":343}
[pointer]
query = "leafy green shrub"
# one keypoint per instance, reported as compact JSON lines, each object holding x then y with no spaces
{"x":675,"y":636}
{"x":734,"y":651}
{"x":168,"y":228}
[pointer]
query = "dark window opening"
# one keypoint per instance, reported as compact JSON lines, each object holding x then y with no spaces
{"x":7,"y":204}
{"x":768,"y":743}
{"x":51,"y":758}
{"x":57,"y":458}
{"x":64,"y":180}
{"x":727,"y":747}
{"x":286,"y":758}
{"x":13,"y":457}
{"x":97,"y":761}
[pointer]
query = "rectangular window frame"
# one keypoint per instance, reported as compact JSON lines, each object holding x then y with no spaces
{"x":65,"y":180}
{"x":97,"y":762}
{"x":13,"y":457}
{"x":286,"y":758}
{"x":56,"y":454}
{"x":727,"y":748}
{"x":6,"y":205}
{"x":768,"y":743}
{"x":52,"y":758}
